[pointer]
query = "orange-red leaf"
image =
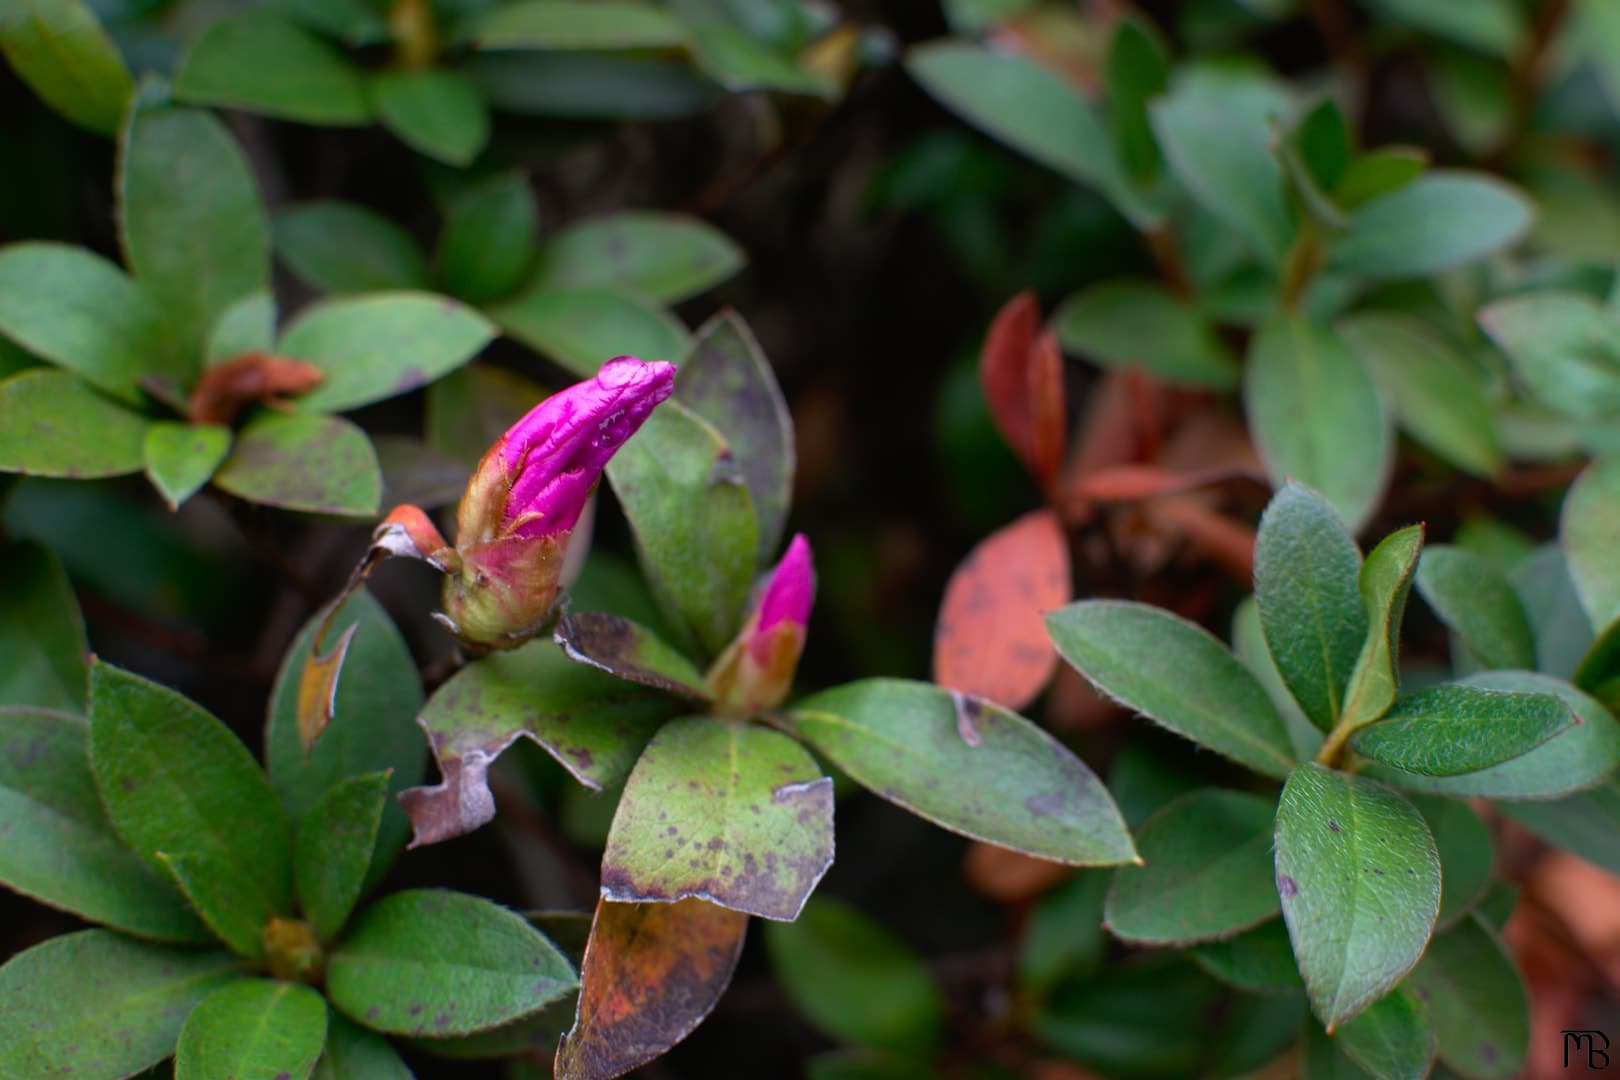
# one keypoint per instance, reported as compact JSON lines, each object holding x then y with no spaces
{"x":651,"y":974}
{"x":253,"y":378}
{"x":1021,"y":371}
{"x":1048,"y":411}
{"x":990,"y":639}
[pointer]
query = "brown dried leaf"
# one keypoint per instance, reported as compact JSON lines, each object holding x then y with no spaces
{"x":1010,"y":876}
{"x":990,"y":640}
{"x":318,"y":683}
{"x":254,"y":378}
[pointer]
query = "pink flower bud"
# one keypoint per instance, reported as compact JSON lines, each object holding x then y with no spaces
{"x":526,"y":496}
{"x":756,"y":671}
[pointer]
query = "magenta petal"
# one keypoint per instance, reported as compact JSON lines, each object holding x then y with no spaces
{"x":791,"y":591}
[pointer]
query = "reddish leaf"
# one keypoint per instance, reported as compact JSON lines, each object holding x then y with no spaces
{"x":1010,"y":876}
{"x":652,"y":972}
{"x":254,"y":378}
{"x":1021,"y":371}
{"x":990,"y":640}
{"x":1048,"y":411}
{"x":1130,"y":483}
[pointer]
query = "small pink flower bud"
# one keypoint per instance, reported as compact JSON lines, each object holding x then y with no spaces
{"x":527,"y":494}
{"x":756,"y":671}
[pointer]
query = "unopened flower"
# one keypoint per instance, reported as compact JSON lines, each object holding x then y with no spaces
{"x":756,"y":670}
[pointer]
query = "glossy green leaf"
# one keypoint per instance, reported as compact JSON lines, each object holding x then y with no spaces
{"x":585,"y":328}
{"x":1586,"y":823}
{"x":99,"y":1004}
{"x":593,"y":724}
{"x":263,"y":62}
{"x":433,"y":962}
{"x":693,"y":518}
{"x":1467,"y":854}
{"x":58,"y":48}
{"x":343,"y":247}
{"x":1391,"y":1040}
{"x":1438,"y":221}
{"x":353,"y":1051}
{"x":248,"y":325}
{"x":1384,"y":582}
{"x":664,"y":257}
{"x":1316,"y":417}
{"x":728,"y":381}
{"x":180,"y":458}
{"x":1448,"y":730}
{"x":1249,"y":646}
{"x":969,"y":766}
{"x":1208,"y":871}
{"x":570,"y":24}
{"x":1378,"y":173}
{"x":61,"y":850}
{"x":319,"y":464}
{"x":41,"y":632}
{"x":226,"y":899}
{"x":1176,"y":674}
{"x":380,"y":345}
{"x":433,"y":111}
{"x":335,"y":844}
{"x":1477,"y":603}
{"x":855,"y":980}
{"x":1259,"y":961}
{"x":1475,"y":1000}
{"x":1359,"y":878}
{"x":723,"y":810}
{"x":52,"y":424}
{"x":1436,"y":396}
{"x":490,"y":238}
{"x":1030,"y":108}
{"x":181,"y":174}
{"x":373,"y":728}
{"x":1563,"y":346}
{"x":629,"y":651}
{"x":79,"y":311}
{"x":1325,"y":142}
{"x":1225,"y":162}
{"x":253,"y":1028}
{"x":175,"y":780}
{"x":1143,"y":325}
{"x":1586,"y":529}
{"x":1306,"y":585}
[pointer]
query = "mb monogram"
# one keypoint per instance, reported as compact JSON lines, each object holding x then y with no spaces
{"x":1590,"y":1048}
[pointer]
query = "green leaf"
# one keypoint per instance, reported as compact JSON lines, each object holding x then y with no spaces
{"x":181,"y":174}
{"x":1322,"y":1058}
{"x":1378,"y":173}
{"x":99,"y":1004}
{"x":1260,"y":961}
{"x":41,"y":632}
{"x":591,"y":85}
{"x":437,"y":963}
{"x":728,"y":382}
{"x":471,"y":407}
{"x":738,"y":62}
{"x":175,"y":780}
{"x":79,"y":311}
{"x":58,"y":48}
{"x":381,"y":345}
{"x":336,"y":840}
{"x":352,"y":1051}
{"x":693,"y":519}
{"x":629,"y":651}
{"x":1225,"y":162}
{"x":435,"y":112}
{"x":583,"y":329}
{"x":855,"y":980}
{"x":1391,"y":1040}
{"x":1476,"y":602}
{"x":1126,"y":324}
{"x":1359,"y":879}
{"x":1207,"y":875}
{"x":52,"y":424}
{"x":319,"y":464}
{"x":253,"y":1028}
{"x":724,"y":810}
{"x":227,"y":900}
{"x":1467,"y":854}
{"x":1316,"y":416}
{"x":1586,"y":823}
{"x":663,"y":257}
{"x":1014,"y":99}
{"x":1599,"y":671}
{"x":489,"y":239}
{"x":969,"y":766}
{"x":1325,"y":143}
{"x":1438,"y":221}
{"x":1249,"y":646}
{"x":1063,"y":935}
{"x":1586,"y":529}
{"x":341,"y":247}
{"x":1475,"y":1001}
{"x":1497,"y":27}
{"x":1436,"y":396}
{"x":1561,"y":628}
{"x":1138,"y":70}
{"x":1306,"y":585}
{"x":60,"y":849}
{"x":1384,"y":582}
{"x":248,"y":325}
{"x":569,"y":24}
{"x":265,"y":63}
{"x":373,"y":728}
{"x":1563,"y":346}
{"x":180,"y":458}
{"x":1178,"y":675}
{"x":1448,"y":730}
{"x":593,"y":724}
{"x":1581,"y":756}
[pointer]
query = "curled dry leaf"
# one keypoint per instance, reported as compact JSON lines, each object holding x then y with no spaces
{"x":1021,"y":371}
{"x":990,"y":640}
{"x":254,"y":378}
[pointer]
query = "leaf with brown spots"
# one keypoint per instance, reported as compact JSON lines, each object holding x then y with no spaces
{"x":1021,"y":370}
{"x":629,"y":651}
{"x":652,"y":972}
{"x":254,"y":378}
{"x":990,"y":640}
